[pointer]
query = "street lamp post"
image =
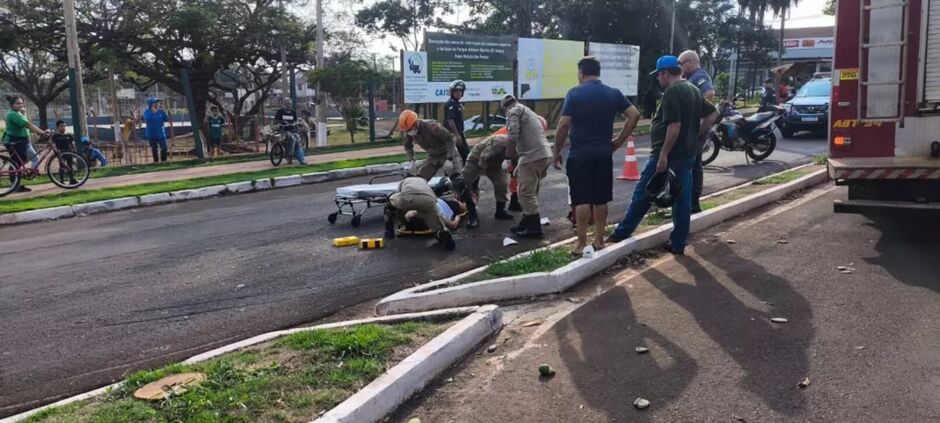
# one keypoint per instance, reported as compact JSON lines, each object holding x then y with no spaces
{"x":672,"y":29}
{"x":76,"y":87}
{"x":321,"y":99}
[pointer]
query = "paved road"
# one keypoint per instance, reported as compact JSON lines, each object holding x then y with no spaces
{"x":86,"y":300}
{"x":867,"y":341}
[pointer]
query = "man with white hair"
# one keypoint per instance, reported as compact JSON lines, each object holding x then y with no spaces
{"x":692,"y":71}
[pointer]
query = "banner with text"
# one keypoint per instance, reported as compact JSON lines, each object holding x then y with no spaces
{"x":547,"y":68}
{"x":620,"y":65}
{"x":484,"y":63}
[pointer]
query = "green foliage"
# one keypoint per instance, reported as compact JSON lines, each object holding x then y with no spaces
{"x":830,"y":8}
{"x":290,"y":379}
{"x":539,"y":261}
{"x":346,"y":79}
{"x":405,"y":20}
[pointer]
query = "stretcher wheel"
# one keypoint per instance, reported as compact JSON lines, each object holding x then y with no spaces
{"x":331,"y":218}
{"x":356,"y":220}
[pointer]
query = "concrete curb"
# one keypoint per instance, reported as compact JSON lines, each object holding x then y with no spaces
{"x":196,"y":193}
{"x":412,"y":374}
{"x":450,"y":345}
{"x":447,"y":293}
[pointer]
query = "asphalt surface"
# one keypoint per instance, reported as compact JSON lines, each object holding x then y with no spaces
{"x":864,"y":342}
{"x":87,"y":300}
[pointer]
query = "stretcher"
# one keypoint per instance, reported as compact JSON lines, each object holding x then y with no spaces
{"x":354,"y":200}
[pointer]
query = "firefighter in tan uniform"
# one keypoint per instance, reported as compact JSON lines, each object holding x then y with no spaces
{"x":486,"y":158}
{"x":439,"y":143}
{"x":416,"y":199}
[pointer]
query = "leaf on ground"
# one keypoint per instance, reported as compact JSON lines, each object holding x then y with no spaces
{"x":532,"y":323}
{"x":779,"y":319}
{"x":803,"y":384}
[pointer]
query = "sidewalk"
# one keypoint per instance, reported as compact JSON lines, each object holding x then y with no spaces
{"x":714,"y":355}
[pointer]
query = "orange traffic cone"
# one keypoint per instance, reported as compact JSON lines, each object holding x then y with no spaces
{"x":631,"y":172}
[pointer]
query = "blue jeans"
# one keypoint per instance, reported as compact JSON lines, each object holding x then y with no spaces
{"x":681,"y":209}
{"x":95,"y":154}
{"x":298,"y":147}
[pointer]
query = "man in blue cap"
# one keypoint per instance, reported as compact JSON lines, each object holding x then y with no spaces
{"x":683,"y":116}
{"x":155,"y":118}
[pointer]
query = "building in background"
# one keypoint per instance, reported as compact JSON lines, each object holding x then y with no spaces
{"x":807,"y":51}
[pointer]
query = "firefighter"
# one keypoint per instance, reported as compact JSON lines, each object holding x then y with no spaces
{"x":486,"y":158}
{"x":440,"y":144}
{"x":527,"y":140}
{"x":416,"y":199}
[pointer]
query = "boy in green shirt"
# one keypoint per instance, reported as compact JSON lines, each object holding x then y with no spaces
{"x":216,"y":122}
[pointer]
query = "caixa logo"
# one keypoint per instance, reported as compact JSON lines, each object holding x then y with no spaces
{"x":441,"y":92}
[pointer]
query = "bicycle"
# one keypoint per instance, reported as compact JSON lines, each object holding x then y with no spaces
{"x":283,"y":148}
{"x":66,"y":169}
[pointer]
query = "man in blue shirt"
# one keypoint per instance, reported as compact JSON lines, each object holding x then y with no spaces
{"x":155,"y":118}
{"x":693,"y":72}
{"x":588,"y":115}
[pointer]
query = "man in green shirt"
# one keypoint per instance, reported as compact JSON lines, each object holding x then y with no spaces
{"x":683,"y":116}
{"x":216,"y":123}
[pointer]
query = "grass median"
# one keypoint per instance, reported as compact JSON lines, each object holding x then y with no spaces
{"x":238,"y":158}
{"x":291,"y":379}
{"x":79,"y":196}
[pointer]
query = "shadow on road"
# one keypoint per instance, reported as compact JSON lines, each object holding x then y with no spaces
{"x":604,"y":366}
{"x":904,"y":246}
{"x":773,"y":357}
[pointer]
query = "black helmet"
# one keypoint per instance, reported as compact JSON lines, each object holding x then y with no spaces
{"x":663,"y":189}
{"x":457,"y":85}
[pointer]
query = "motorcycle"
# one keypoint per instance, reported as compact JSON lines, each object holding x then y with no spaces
{"x":753,"y":134}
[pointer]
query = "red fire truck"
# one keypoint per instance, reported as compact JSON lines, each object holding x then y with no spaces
{"x":884,"y":141}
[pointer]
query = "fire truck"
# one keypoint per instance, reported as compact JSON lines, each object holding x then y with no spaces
{"x":884,"y":138}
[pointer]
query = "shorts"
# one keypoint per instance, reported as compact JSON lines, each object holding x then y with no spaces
{"x":215,"y":142}
{"x":590,"y":180}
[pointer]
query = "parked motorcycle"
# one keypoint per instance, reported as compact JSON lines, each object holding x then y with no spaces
{"x":753,"y":134}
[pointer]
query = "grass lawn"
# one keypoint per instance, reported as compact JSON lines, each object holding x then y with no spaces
{"x":68,"y":198}
{"x":240,"y":158}
{"x":540,"y":261}
{"x":291,"y":379}
{"x":788,"y":176}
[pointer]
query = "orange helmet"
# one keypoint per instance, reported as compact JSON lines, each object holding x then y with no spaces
{"x":544,"y":123}
{"x":407,"y":120}
{"x":502,"y":131}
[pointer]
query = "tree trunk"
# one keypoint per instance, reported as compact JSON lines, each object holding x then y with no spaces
{"x":43,"y":107}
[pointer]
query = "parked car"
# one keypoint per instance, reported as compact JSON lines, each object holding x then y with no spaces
{"x":476,"y":122}
{"x":808,"y":110}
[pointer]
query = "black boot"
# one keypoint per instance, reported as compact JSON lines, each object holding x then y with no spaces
{"x":501,"y":212}
{"x":514,"y":203}
{"x":446,"y":239}
{"x":533,"y":227}
{"x":523,"y":224}
{"x":473,"y":220}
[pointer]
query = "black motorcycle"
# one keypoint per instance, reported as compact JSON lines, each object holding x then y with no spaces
{"x":753,"y":134}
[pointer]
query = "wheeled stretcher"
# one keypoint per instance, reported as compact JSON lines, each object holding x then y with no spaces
{"x":354,"y":200}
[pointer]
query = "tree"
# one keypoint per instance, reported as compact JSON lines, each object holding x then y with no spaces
{"x":404,"y":20}
{"x":346,"y":79}
{"x":34,"y":59}
{"x":830,"y":8}
{"x":154,"y":40}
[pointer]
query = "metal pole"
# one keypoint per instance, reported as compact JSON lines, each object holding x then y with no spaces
{"x":191,"y":105}
{"x":116,"y":118}
{"x":321,"y":98}
{"x":672,"y":29}
{"x":372,"y":107}
{"x":76,"y":87}
{"x":285,"y":83}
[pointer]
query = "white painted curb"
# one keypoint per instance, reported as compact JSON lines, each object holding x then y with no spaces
{"x":197,"y":193}
{"x":459,"y":338}
{"x":447,"y":293}
{"x":106,"y":205}
{"x":386,"y":393}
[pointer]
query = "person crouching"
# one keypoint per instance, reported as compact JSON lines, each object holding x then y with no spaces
{"x":416,"y":199}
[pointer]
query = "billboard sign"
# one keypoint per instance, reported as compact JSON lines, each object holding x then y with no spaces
{"x":547,"y":68}
{"x":802,"y":43}
{"x":484,"y":63}
{"x":620,"y":65}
